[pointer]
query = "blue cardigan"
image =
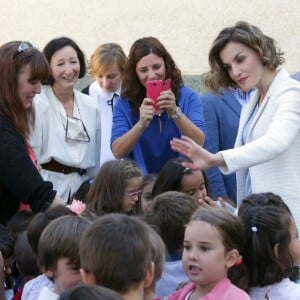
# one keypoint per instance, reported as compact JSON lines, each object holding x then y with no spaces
{"x":153,"y":148}
{"x":222,"y":115}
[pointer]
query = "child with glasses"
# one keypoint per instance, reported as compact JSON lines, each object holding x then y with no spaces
{"x":116,"y":188}
{"x":66,"y":137}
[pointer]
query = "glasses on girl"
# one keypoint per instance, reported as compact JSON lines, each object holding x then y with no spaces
{"x":133,"y":194}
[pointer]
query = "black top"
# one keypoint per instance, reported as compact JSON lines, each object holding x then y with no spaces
{"x":19,"y":178}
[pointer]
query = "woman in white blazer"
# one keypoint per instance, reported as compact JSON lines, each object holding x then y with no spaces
{"x":266,"y":155}
{"x":66,"y":136}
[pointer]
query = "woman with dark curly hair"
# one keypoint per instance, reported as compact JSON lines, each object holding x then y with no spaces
{"x":266,"y":153}
{"x":139,"y":131}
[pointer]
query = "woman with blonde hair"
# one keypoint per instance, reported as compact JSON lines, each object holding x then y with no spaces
{"x":106,"y":66}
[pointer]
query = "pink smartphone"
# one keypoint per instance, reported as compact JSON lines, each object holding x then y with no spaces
{"x":155,"y":87}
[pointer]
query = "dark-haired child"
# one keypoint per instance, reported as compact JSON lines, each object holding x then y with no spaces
{"x":59,"y":254}
{"x":115,"y":252}
{"x":213,"y":245}
{"x":272,"y":251}
{"x":169,"y":213}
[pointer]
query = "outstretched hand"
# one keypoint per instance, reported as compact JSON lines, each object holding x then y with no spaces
{"x":201,"y":158}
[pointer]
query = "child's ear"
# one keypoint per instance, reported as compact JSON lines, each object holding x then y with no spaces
{"x":149,"y":275}
{"x":275,"y":249}
{"x":49,"y":273}
{"x":232,"y":258}
{"x":87,"y":277}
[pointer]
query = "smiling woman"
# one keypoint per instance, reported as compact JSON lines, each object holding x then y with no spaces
{"x":66,"y":138}
{"x":22,"y":67}
{"x":142,"y":133}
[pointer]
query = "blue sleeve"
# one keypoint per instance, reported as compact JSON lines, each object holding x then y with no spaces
{"x":122,"y":119}
{"x":191,"y":104}
{"x":214,"y":176}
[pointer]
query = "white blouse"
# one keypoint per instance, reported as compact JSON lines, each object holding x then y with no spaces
{"x":48,"y":139}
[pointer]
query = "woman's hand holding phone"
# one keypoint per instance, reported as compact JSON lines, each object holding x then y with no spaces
{"x":160,"y":93}
{"x":147,"y":112}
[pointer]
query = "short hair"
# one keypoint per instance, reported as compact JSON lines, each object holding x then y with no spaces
{"x":265,"y":226}
{"x":170,"y":176}
{"x":168,"y":214}
{"x":60,"y":239}
{"x":26,"y":259}
{"x":248,"y":35}
{"x":7,"y":242}
{"x":105,"y":55}
{"x":232,"y":234}
{"x":116,"y":250}
{"x":12,"y":60}
{"x":41,"y":220}
{"x":90,"y":292}
{"x":57,"y":44}
{"x":158,"y":254}
{"x":107,"y":190}
{"x":132,"y":89}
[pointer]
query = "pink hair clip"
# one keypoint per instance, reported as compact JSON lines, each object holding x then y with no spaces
{"x":77,"y":207}
{"x":239,"y":261}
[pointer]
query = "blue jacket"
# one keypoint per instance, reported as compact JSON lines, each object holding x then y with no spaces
{"x":153,"y":148}
{"x":221,"y":114}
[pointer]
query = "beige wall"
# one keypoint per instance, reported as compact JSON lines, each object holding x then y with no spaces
{"x":186,"y":27}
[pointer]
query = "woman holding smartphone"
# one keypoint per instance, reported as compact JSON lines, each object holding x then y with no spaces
{"x":139,"y":131}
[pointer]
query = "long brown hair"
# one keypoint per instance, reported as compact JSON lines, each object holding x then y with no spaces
{"x":132,"y":89}
{"x":12,"y":60}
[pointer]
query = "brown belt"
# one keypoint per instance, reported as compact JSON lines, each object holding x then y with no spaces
{"x":55,"y":166}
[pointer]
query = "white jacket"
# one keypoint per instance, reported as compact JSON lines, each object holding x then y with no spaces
{"x":272,"y":150}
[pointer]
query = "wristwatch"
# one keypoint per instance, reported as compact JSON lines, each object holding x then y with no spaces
{"x":177,"y":114}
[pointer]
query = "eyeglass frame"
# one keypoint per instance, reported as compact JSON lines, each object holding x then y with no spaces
{"x":23,"y":47}
{"x":132,"y":194}
{"x":70,"y":140}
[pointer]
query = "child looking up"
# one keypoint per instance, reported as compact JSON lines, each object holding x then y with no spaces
{"x":213,"y":243}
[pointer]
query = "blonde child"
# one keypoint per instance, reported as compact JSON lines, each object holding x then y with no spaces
{"x":213,"y":243}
